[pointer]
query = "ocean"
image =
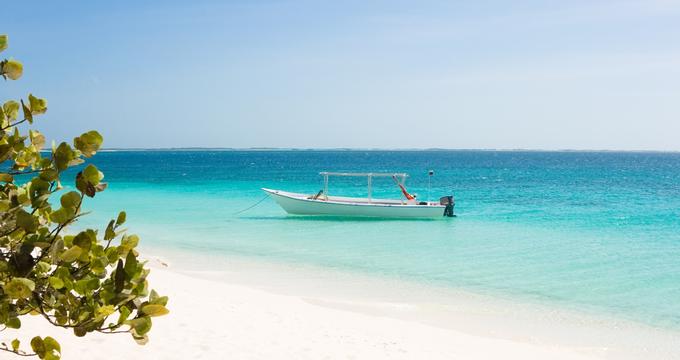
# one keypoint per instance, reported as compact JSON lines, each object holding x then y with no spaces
{"x":595,"y":232}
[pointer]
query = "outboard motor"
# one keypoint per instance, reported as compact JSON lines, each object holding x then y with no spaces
{"x":450,"y":203}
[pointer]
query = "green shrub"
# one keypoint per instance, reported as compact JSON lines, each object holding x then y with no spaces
{"x":84,"y":281}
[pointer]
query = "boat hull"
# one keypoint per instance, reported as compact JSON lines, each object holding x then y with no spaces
{"x":300,"y":204}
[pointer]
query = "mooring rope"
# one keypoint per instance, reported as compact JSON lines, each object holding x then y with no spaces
{"x":252,"y":206}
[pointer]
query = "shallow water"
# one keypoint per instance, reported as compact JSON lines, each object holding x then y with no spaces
{"x":594,"y":231}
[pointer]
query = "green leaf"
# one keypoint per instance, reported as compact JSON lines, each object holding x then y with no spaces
{"x":154,"y":310}
{"x":11,"y":109}
{"x":13,"y":323}
{"x":37,"y":105}
{"x":26,"y":221}
{"x":63,"y":155}
{"x":162,"y":300}
{"x":85,"y":186}
{"x":15,"y":344}
{"x":5,"y":152}
{"x":47,"y":348}
{"x":109,"y":234}
{"x":105,"y":311}
{"x":49,"y":174}
{"x":92,"y":284}
{"x":4,"y":40}
{"x":119,"y":277}
{"x":130,"y":264}
{"x":85,"y":239}
{"x":88,"y":143}
{"x":141,"y":340}
{"x":28,"y":115}
{"x":82,"y":287}
{"x":52,"y":344}
{"x":37,"y":189}
{"x":37,"y":139}
{"x":19,"y":288}
{"x":99,"y":265}
{"x":153,"y":296}
{"x":43,"y":267}
{"x":124,"y":313}
{"x":121,"y":218}
{"x":70,"y":200}
{"x":38,"y":346}
{"x":56,"y":282}
{"x":79,"y":331}
{"x":92,"y":175}
{"x":129,"y":242}
{"x":62,"y":215}
{"x":56,"y":248}
{"x":71,"y":254}
{"x":52,"y":349}
{"x":12,"y":69}
{"x":141,"y":325}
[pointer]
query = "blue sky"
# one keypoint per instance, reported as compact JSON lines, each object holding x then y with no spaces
{"x":369,"y":74}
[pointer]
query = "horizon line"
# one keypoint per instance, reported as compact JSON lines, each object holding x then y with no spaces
{"x":197,"y":148}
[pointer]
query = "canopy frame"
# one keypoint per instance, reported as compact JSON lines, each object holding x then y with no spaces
{"x":401,"y":178}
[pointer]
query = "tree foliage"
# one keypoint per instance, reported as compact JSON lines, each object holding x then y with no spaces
{"x":85,"y":281}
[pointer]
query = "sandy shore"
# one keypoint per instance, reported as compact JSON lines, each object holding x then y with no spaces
{"x":218,"y":320}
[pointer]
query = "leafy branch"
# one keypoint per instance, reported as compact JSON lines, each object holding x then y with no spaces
{"x":86,"y":281}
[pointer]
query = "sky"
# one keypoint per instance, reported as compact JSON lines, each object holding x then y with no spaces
{"x":353,"y":74}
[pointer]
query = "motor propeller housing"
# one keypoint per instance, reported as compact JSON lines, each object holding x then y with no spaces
{"x":449,"y":202}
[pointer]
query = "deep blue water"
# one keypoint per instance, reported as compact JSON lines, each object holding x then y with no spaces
{"x":594,"y":231}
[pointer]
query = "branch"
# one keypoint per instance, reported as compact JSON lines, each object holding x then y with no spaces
{"x":15,"y":124}
{"x":9,"y":232}
{"x":17,"y":228}
{"x":111,"y":329}
{"x":115,"y":235}
{"x":113,"y":332}
{"x":16,"y":172}
{"x":42,"y":312}
{"x":18,"y":352}
{"x":59,"y":229}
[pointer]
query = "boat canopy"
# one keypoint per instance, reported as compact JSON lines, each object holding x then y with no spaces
{"x":370,"y":175}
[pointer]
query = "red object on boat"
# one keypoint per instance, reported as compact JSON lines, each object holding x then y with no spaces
{"x":403,"y":189}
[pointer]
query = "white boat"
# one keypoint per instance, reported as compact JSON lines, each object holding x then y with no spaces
{"x":323,"y":204}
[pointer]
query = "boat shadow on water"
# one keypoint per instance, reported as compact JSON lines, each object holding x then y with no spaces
{"x":340,"y":218}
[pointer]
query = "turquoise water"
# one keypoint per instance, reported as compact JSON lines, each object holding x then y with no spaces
{"x":594,"y":231}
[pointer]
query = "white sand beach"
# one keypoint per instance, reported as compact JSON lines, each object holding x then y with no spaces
{"x":219,"y":320}
{"x":241,"y":309}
